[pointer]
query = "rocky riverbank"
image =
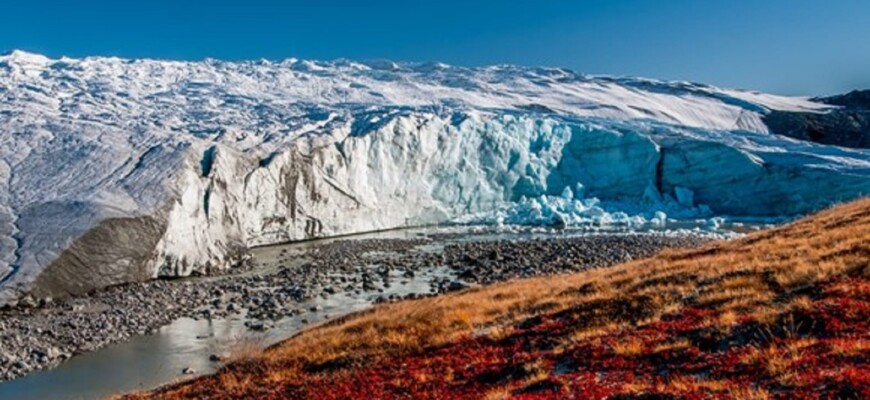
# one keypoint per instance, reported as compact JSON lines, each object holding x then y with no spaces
{"x":42,"y":336}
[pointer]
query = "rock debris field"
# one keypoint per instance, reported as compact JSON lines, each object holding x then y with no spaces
{"x":39,"y":336}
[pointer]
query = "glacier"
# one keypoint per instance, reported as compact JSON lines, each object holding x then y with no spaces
{"x":115,"y":170}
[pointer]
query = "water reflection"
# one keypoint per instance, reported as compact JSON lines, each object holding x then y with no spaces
{"x":146,"y":362}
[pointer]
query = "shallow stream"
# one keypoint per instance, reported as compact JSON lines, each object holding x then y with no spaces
{"x":145,"y":362}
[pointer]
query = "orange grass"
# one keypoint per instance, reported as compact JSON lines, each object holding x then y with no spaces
{"x":759,"y":274}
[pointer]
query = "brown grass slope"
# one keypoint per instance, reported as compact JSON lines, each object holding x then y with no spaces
{"x":761,"y":275}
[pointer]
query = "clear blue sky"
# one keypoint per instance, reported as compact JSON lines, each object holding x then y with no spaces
{"x":783,"y":46}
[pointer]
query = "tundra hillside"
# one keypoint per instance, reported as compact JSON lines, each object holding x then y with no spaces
{"x":781,"y":313}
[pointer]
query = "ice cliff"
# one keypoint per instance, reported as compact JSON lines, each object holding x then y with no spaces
{"x":115,"y":170}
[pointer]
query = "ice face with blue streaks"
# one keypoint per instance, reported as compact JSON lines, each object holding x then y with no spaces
{"x":115,"y":170}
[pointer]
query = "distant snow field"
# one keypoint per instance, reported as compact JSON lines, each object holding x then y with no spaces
{"x":115,"y":170}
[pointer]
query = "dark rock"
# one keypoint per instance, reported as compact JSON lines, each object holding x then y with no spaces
{"x":256,"y":325}
{"x":846,"y":126}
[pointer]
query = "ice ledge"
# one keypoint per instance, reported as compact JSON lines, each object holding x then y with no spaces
{"x":421,"y":168}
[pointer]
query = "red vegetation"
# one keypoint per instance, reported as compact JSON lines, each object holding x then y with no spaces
{"x":821,"y":351}
{"x":779,"y":314}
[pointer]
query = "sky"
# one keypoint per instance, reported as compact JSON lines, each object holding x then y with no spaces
{"x":794,"y":47}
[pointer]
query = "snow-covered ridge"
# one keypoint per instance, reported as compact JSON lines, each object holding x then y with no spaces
{"x":253,"y":95}
{"x":114,"y":170}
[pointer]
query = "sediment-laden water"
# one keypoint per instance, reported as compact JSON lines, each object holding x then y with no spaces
{"x":145,"y":335}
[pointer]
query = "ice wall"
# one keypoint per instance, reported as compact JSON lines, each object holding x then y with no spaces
{"x":420,"y":168}
{"x":115,"y":170}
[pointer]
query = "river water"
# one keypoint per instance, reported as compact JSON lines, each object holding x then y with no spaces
{"x":149,"y":361}
{"x":145,"y":362}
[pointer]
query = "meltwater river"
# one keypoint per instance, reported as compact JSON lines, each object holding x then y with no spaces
{"x":148,"y":361}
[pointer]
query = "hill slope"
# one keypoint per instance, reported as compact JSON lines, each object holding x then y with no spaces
{"x":783,"y":313}
{"x":115,"y":170}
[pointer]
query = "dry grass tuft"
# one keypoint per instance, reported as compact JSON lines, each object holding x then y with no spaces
{"x":749,"y":394}
{"x":628,"y":348}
